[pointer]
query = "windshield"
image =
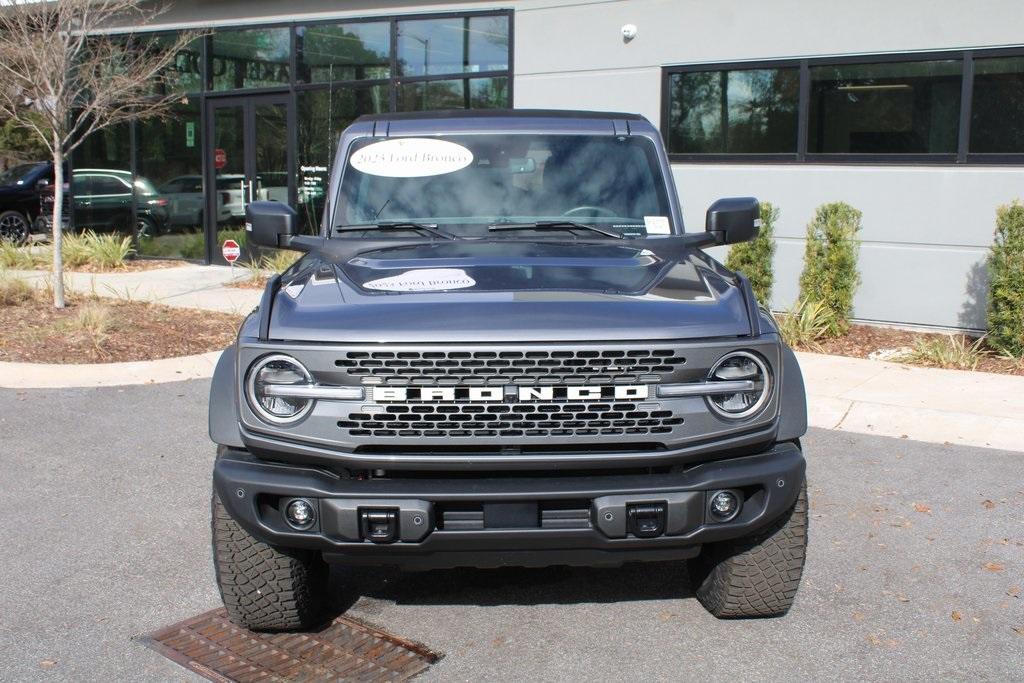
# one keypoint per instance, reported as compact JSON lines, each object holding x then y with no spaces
{"x":19,"y":174}
{"x":469,"y":182}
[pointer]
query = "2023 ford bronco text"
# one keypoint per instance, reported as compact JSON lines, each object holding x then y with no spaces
{"x":502,"y":349}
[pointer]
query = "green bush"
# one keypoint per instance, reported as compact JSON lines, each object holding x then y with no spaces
{"x":830,"y":273}
{"x":804,"y":325}
{"x":1006,"y":282}
{"x":106,"y":251}
{"x":754,"y":258}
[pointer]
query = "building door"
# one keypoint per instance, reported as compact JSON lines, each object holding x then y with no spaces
{"x":249,"y":158}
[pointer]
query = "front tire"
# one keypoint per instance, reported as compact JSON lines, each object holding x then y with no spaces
{"x":755,"y":576}
{"x":266,"y":588}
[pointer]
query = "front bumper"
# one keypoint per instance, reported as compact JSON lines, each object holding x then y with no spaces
{"x":508,"y":521}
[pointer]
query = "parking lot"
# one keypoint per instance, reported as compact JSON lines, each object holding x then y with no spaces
{"x":915,"y":569}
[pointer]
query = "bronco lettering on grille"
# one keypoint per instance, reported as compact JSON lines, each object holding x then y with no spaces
{"x":478,"y":394}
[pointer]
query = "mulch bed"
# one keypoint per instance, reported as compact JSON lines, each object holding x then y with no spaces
{"x":130,"y":266}
{"x":34,"y":331}
{"x":251,"y":283}
{"x":864,"y":340}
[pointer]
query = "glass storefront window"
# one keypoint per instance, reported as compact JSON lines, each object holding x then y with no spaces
{"x":343,"y":52}
{"x":101,"y":182}
{"x":886,"y":108}
{"x":322,"y":115}
{"x":318,"y":76}
{"x":169,"y":158}
{"x":185,"y":73}
{"x":252,"y":58}
{"x":997,"y":108}
{"x":750,"y":111}
{"x":428,"y":47}
{"x":463,"y":93}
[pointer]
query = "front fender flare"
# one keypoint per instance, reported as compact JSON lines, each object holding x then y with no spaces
{"x":793,"y":400}
{"x":224,"y":414}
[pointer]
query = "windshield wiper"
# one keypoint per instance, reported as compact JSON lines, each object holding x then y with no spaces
{"x":429,"y":228}
{"x":553,"y":225}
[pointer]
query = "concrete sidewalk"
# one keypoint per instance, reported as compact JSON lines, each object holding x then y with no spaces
{"x":923,"y":404}
{"x":846,"y":394}
{"x":185,"y":286}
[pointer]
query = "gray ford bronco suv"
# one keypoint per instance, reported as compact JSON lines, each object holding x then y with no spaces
{"x":502,"y":349}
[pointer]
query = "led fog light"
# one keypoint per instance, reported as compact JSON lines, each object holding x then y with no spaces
{"x":299,"y":514}
{"x":724,"y":506}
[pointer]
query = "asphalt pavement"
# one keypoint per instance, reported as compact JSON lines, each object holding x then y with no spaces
{"x":915,"y":569}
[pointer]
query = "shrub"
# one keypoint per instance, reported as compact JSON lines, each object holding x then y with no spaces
{"x":15,"y":291}
{"x":830,"y":273}
{"x":956,"y":352}
{"x":754,"y":258}
{"x":278,"y":260}
{"x":1006,"y":282}
{"x":22,"y":258}
{"x":94,"y":320}
{"x":100,"y":251}
{"x":804,"y":325}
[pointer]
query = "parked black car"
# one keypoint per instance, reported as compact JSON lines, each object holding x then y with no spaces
{"x":503,"y":349}
{"x":20,"y":199}
{"x":103,"y":202}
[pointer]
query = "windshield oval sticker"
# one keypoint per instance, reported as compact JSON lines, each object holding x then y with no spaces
{"x":423,"y":280}
{"x":411,"y":158}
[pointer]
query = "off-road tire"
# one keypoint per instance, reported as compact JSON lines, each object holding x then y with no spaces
{"x":758,"y":575}
{"x":266,"y":588}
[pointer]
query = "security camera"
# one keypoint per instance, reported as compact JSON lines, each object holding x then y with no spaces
{"x":628,"y":32}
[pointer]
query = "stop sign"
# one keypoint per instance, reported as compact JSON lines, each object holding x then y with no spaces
{"x":220,"y":158}
{"x":231,"y":251}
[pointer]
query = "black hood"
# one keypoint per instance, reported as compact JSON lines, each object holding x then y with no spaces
{"x":508,"y":291}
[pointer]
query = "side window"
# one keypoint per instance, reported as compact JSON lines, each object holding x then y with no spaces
{"x":105,"y":184}
{"x":173,"y":187}
{"x":82,"y":185}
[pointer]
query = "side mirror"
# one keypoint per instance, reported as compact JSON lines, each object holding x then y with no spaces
{"x":732,"y":220}
{"x":42,"y":183}
{"x":270,"y":224}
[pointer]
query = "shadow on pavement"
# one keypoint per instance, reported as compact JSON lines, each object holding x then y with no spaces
{"x":512,"y":585}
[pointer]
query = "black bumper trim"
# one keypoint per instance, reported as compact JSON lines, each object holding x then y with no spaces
{"x":777,"y":473}
{"x":311,"y":454}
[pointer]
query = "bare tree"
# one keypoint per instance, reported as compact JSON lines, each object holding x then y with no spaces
{"x":64,"y":76}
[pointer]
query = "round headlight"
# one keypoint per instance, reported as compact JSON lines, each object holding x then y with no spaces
{"x":750,"y":370}
{"x":270,"y":404}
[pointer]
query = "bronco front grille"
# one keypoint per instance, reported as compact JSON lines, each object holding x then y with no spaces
{"x":565,"y":366}
{"x":510,"y":420}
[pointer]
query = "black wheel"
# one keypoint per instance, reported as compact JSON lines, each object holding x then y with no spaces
{"x":756,"y":576}
{"x":266,"y":588}
{"x":14,"y":227}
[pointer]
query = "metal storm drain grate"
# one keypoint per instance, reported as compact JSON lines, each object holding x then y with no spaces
{"x":216,"y":649}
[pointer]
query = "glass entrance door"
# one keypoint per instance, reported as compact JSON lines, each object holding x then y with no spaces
{"x":249,"y":158}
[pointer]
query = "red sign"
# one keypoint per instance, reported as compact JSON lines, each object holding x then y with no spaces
{"x":220,"y":158}
{"x":231,"y":251}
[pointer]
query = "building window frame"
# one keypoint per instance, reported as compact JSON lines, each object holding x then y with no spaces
{"x":963,"y":155}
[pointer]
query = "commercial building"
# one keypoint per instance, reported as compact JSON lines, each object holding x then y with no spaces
{"x":911,"y":111}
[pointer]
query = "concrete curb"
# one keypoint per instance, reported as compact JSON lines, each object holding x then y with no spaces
{"x":64,"y":376}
